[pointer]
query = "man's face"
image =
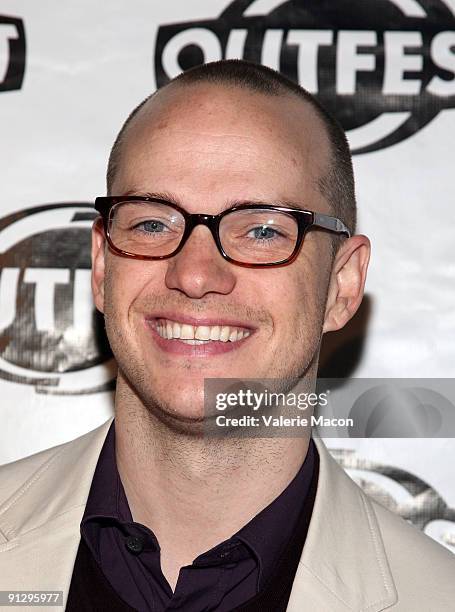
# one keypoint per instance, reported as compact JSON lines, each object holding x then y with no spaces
{"x":207,"y":148}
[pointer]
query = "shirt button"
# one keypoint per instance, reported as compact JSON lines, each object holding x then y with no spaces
{"x":134,"y":544}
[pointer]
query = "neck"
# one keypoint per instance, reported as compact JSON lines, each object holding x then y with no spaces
{"x":194,"y":492}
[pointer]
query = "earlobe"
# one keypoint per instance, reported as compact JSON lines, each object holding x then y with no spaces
{"x":347,"y":282}
{"x":98,"y":246}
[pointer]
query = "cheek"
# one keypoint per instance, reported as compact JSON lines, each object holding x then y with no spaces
{"x":300,"y":308}
{"x":297,"y":310}
{"x":130,"y":287}
{"x":123,"y":282}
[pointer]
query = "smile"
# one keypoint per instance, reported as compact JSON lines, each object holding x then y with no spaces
{"x":200,"y":334}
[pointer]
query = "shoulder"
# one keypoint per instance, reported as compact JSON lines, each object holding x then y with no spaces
{"x":415,"y":558}
{"x":422,"y":569}
{"x":14,"y":474}
{"x":18,"y":476}
{"x":369,"y":555}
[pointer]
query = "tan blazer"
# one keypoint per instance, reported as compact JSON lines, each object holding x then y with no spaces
{"x":358,"y":556}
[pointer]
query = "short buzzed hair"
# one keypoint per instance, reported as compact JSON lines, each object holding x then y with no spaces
{"x":337,"y":183}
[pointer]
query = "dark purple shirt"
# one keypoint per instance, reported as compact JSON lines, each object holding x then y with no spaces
{"x":220,"y":579}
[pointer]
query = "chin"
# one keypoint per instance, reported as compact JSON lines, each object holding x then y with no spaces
{"x":181,"y":405}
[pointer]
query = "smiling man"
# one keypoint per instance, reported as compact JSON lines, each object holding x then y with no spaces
{"x":223,"y":250}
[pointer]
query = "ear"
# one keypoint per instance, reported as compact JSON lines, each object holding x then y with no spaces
{"x":347,"y":282}
{"x":98,"y":247}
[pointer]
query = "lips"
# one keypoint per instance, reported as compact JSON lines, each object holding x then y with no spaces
{"x":197,"y":339}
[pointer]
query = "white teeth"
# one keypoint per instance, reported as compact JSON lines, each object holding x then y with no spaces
{"x":169,"y":329}
{"x":202,"y":332}
{"x":224,"y":334}
{"x":176,"y":329}
{"x":189,"y":334}
{"x":233,"y":336}
{"x":215,"y":332}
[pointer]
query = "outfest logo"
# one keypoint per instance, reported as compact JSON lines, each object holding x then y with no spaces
{"x":12,"y":53}
{"x":384,"y":68}
{"x":50,"y":334}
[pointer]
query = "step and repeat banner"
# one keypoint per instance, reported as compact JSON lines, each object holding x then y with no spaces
{"x":71,"y":72}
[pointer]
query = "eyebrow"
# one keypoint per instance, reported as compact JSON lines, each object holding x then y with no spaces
{"x":172,"y":199}
{"x":158,"y":195}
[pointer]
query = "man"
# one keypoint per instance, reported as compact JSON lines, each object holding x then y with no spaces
{"x":222,"y":251}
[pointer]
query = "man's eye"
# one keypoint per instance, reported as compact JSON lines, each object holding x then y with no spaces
{"x":263,"y":233}
{"x":151,"y":226}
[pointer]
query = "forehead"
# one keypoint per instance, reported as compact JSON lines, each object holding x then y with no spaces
{"x":223,"y":134}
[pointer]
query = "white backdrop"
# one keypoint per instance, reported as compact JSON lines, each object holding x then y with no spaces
{"x":86,"y":66}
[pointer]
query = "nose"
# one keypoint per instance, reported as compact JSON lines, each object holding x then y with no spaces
{"x":199,"y":267}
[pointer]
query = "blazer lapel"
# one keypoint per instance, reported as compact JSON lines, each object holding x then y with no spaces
{"x":343,"y":565}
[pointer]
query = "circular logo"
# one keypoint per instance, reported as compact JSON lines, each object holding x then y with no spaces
{"x":51,"y":335}
{"x":383,"y":68}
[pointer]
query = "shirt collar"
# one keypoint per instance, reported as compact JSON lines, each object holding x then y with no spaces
{"x":107,"y":497}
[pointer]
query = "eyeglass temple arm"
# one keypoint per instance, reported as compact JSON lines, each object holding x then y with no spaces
{"x":330,"y":223}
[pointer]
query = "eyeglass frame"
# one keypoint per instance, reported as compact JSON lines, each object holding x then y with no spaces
{"x":305,"y":220}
